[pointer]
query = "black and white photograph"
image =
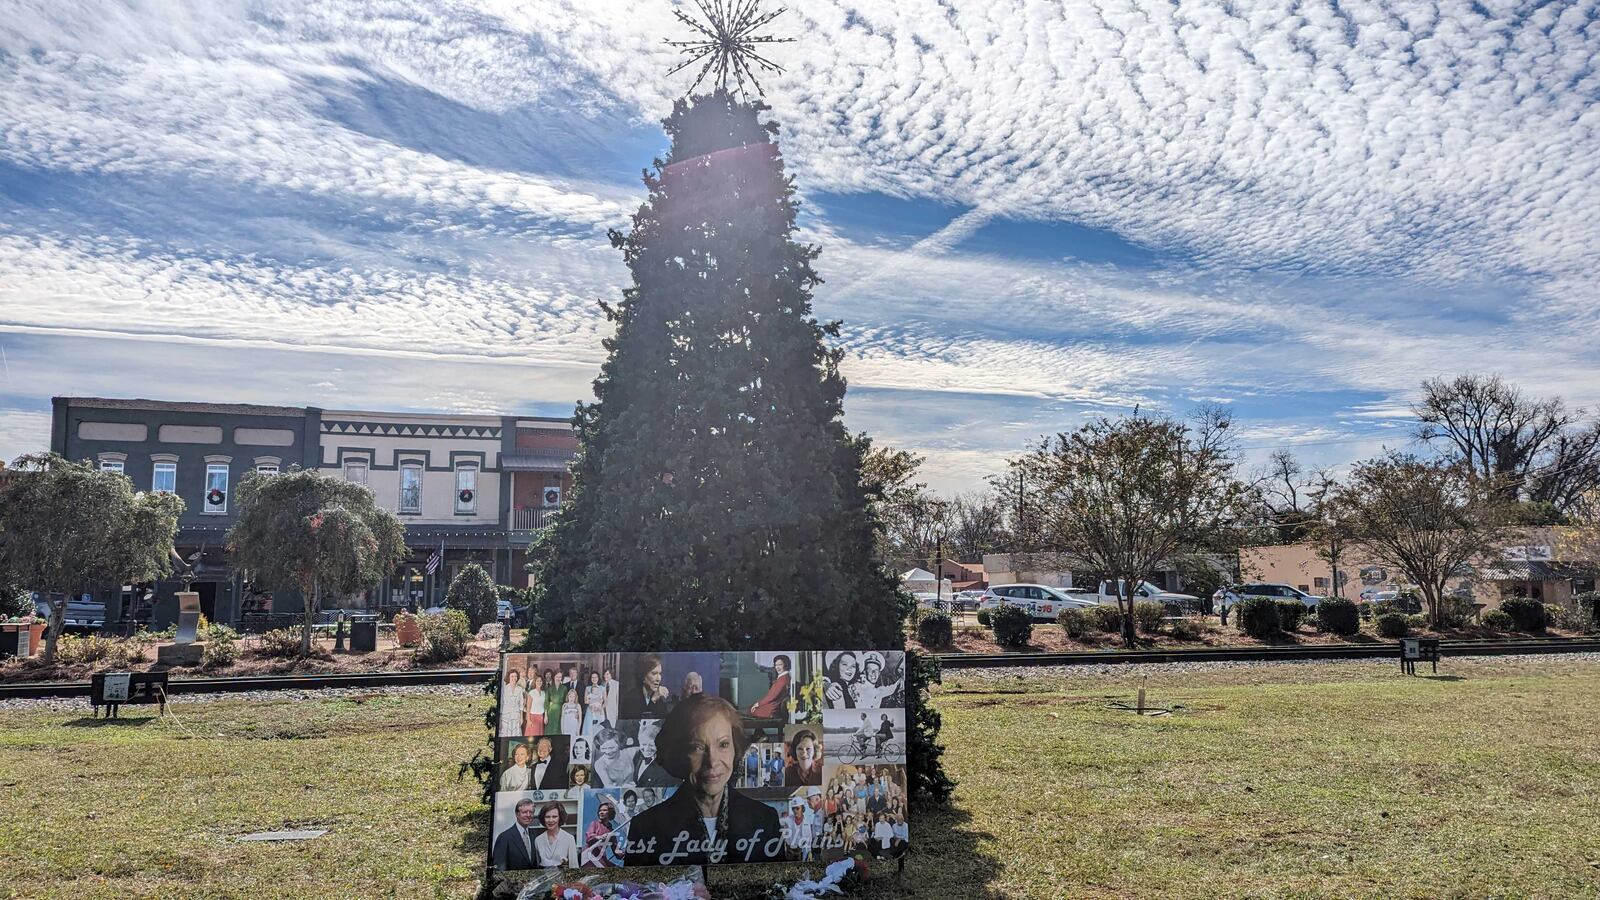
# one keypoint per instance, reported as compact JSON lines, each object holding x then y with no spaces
{"x":865,"y":735}
{"x":863,"y":679}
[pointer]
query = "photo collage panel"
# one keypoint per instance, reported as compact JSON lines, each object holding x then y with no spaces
{"x":698,"y":758}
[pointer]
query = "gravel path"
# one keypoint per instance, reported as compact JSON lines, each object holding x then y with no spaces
{"x":963,"y":676}
{"x":1012,"y":673}
{"x":81,"y":704}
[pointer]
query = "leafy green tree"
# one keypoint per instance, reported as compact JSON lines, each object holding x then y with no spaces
{"x":1124,"y":495}
{"x":67,"y":528}
{"x":1431,"y":519}
{"x":474,"y":593}
{"x":315,"y":533}
{"x":718,"y":501}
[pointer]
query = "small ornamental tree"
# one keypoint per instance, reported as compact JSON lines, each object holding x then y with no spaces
{"x":67,"y":528}
{"x":1121,"y":496}
{"x":315,"y":533}
{"x":474,"y":593}
{"x":1431,"y":519}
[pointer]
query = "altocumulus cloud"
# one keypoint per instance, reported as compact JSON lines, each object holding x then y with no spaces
{"x":1331,"y":201}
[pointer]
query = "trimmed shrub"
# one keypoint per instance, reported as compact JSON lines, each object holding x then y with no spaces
{"x":221,"y":648}
{"x":1257,"y":617}
{"x":1499,"y":620}
{"x":1393,"y":625}
{"x":1418,"y":622}
{"x":984,"y":618}
{"x":1188,"y":629}
{"x":445,"y":636}
{"x":1456,"y":612}
{"x":475,"y":594}
{"x":1105,"y":618}
{"x":1338,"y":615}
{"x":1075,"y":622}
{"x":935,"y":630}
{"x":1148,"y":615}
{"x":1013,"y":627}
{"x":1555,"y":616}
{"x":1526,"y":614}
{"x":280,"y":643}
{"x":1290,"y":613}
{"x":1588,"y":602}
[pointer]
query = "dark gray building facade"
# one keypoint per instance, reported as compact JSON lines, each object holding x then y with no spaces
{"x":199,"y":451}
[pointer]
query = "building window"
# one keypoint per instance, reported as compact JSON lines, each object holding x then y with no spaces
{"x":216,"y":496}
{"x":266,"y":468}
{"x":112,"y":465}
{"x":411,"y":488}
{"x":1319,"y":582}
{"x":466,"y":490}
{"x":164,"y":478}
{"x":355,"y":471}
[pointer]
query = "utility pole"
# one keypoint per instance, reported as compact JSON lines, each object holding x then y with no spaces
{"x":1018,"y":540}
{"x":938,"y":574}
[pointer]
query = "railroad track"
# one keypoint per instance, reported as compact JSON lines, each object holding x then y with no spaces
{"x":950,"y":661}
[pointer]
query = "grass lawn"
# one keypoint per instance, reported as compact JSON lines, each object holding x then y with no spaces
{"x":1340,"y":779}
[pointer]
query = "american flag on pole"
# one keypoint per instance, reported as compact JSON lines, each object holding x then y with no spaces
{"x":433,"y":563}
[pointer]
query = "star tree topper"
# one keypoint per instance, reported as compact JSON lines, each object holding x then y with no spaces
{"x":727,"y":45}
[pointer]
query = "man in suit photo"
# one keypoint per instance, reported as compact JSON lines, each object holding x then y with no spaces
{"x":513,"y":848}
{"x":550,"y":762}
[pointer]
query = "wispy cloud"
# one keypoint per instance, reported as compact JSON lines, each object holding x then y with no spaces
{"x":1336,"y":200}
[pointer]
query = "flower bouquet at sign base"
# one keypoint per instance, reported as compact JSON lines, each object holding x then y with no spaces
{"x":840,"y":877}
{"x":628,"y":890}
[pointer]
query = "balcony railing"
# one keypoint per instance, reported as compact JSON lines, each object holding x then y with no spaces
{"x":531,"y":518}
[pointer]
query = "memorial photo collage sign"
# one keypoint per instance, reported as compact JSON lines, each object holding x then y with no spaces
{"x":698,"y":758}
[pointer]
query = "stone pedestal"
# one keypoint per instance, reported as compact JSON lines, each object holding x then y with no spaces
{"x":180,"y":654}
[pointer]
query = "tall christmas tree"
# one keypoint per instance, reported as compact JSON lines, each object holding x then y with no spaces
{"x":717,"y":499}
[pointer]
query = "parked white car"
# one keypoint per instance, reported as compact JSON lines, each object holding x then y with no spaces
{"x":1042,"y":601}
{"x":1230,"y":596}
{"x":1175,"y":602}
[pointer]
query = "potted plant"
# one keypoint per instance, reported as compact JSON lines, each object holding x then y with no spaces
{"x":21,"y":636}
{"x":407,"y":629}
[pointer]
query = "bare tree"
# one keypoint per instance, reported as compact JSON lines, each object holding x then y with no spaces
{"x":1291,"y":496}
{"x":1124,"y":495}
{"x":1523,"y":448}
{"x":1431,"y":519}
{"x":977,"y":525}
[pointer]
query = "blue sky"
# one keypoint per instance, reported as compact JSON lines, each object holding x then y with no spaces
{"x":1030,"y":212}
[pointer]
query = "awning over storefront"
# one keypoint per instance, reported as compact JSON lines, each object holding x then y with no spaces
{"x":1530,"y":571}
{"x":536,"y":461}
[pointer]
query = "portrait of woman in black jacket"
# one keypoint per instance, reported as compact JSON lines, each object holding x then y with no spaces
{"x":705,"y":820}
